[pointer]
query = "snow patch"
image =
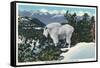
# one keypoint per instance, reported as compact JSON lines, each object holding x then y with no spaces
{"x":81,"y":50}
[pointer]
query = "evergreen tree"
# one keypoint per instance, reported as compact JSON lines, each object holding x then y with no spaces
{"x":82,"y":28}
{"x":93,"y":27}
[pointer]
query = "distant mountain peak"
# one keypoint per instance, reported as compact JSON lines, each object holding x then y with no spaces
{"x":28,"y":20}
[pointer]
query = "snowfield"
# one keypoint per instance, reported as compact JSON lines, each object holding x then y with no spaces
{"x":81,"y":50}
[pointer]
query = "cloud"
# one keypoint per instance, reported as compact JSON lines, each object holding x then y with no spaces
{"x":43,"y":10}
{"x":63,"y":11}
{"x":57,"y":11}
{"x":80,"y":13}
{"x":54,"y":12}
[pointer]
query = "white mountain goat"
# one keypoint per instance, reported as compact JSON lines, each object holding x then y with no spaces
{"x":59,"y":32}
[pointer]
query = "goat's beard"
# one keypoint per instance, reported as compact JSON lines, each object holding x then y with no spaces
{"x":45,"y":33}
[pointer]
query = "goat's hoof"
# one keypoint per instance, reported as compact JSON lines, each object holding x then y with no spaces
{"x":68,"y":48}
{"x":64,"y":49}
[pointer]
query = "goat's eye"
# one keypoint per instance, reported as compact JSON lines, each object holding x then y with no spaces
{"x":45,"y":27}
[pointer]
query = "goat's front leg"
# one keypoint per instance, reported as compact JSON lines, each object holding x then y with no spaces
{"x":55,"y":40}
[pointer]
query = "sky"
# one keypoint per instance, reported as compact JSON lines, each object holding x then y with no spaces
{"x":58,"y":9}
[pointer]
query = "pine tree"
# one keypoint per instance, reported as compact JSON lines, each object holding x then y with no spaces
{"x":93,"y":28}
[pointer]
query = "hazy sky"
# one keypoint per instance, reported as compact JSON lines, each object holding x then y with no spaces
{"x":58,"y":9}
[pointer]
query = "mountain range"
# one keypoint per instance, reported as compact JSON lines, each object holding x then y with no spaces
{"x":46,"y":17}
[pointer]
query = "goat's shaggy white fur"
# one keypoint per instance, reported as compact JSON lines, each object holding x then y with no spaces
{"x":58,"y":31}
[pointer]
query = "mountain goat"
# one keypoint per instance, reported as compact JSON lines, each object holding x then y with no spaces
{"x":59,"y":32}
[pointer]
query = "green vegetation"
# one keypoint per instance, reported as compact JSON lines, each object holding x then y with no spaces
{"x":82,"y":32}
{"x":47,"y":51}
